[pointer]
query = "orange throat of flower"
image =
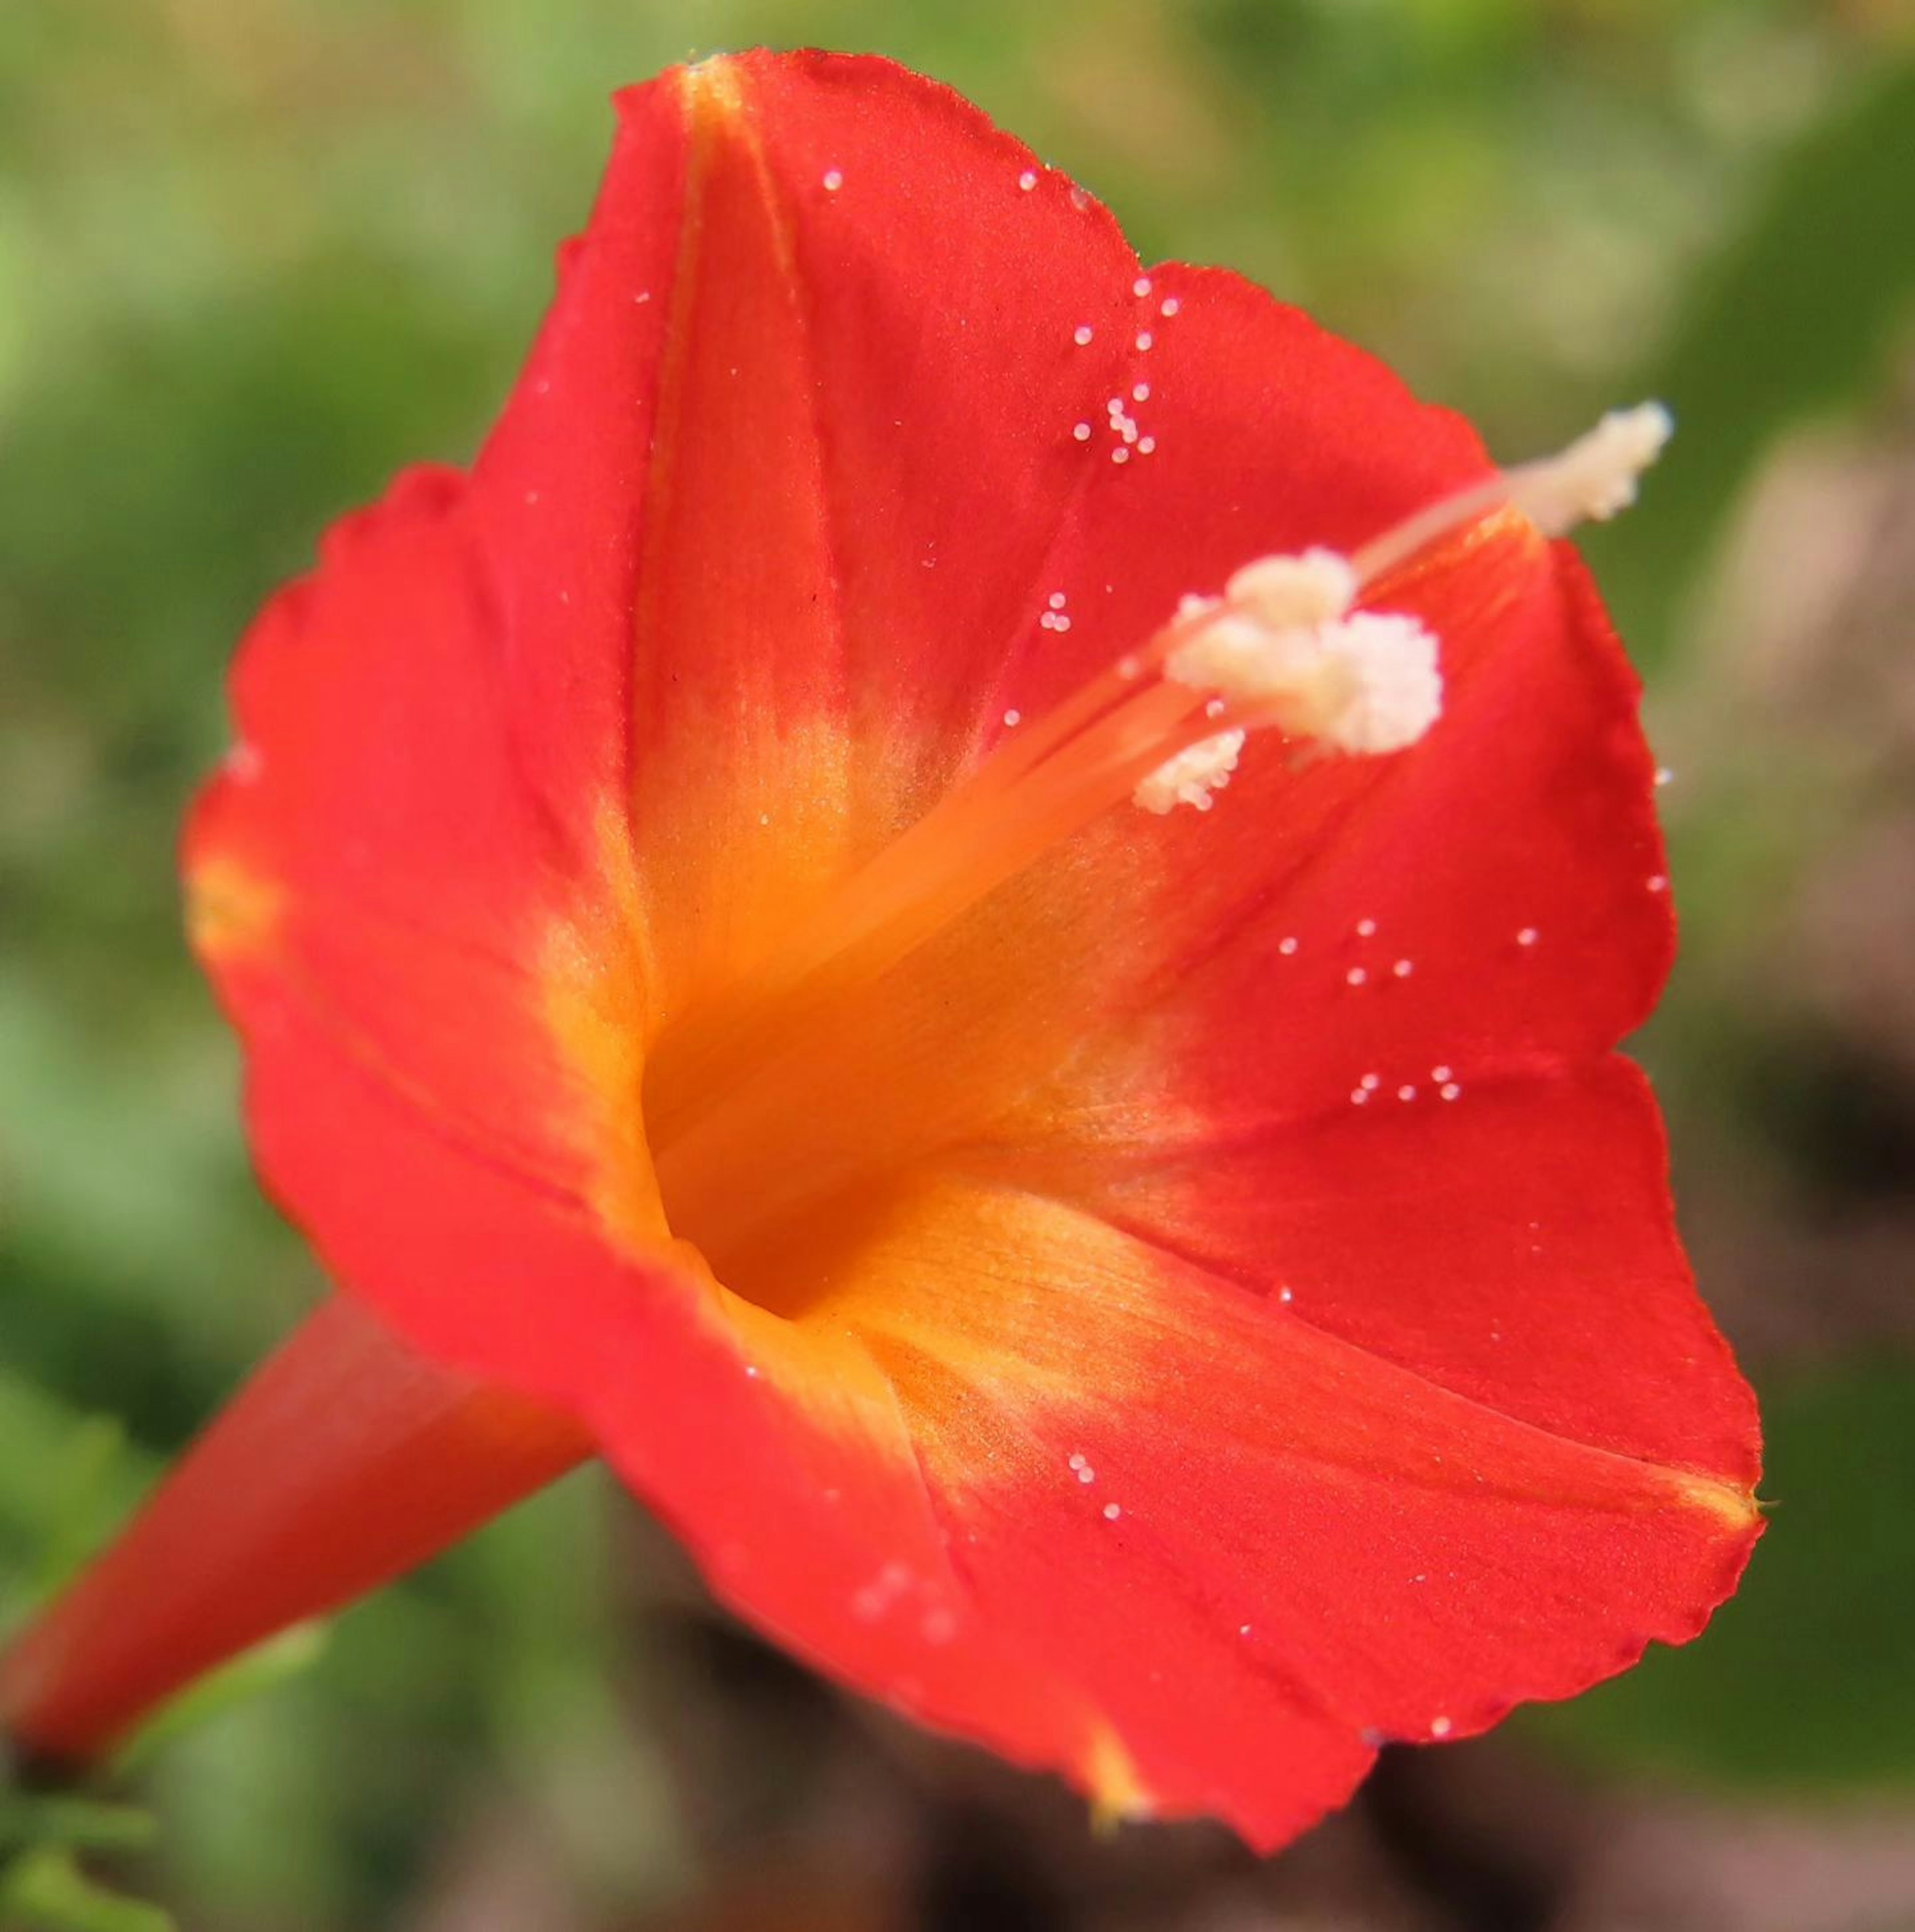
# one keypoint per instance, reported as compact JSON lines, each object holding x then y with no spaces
{"x":795,"y":1081}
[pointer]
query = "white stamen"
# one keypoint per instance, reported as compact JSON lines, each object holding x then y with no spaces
{"x":1189,"y":778}
{"x":1596,"y":475}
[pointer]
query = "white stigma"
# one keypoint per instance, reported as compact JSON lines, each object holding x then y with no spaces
{"x":1596,"y":476}
{"x":1189,"y":778}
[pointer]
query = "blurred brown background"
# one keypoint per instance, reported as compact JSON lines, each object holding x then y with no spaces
{"x":254,"y":254}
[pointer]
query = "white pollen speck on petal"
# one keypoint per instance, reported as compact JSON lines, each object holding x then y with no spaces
{"x":1112,"y":1512}
{"x":1406,"y":1093}
{"x":1528,"y":936}
{"x":1440,"y":1727}
{"x":1359,"y":1096}
{"x":1450,"y":1090}
{"x":1148,"y":447}
{"x":1284,"y":1295}
{"x":1142,"y":286}
{"x":1056,"y":600}
{"x":643,"y":296}
{"x":1014,"y":718}
{"x":1440,"y":1073}
{"x":764,"y":818}
{"x":752,"y":1370}
{"x":1078,"y":1461}
{"x":1143,"y":339}
{"x":1366,"y":928}
{"x":1356,"y":975}
{"x":1170,"y":306}
{"x":1664,"y":775}
{"x":1082,"y":334}
{"x":1658,"y":883}
{"x":834,"y":179}
{"x":1142,"y":393}
{"x":1243,"y":1629}
{"x":1120,"y":455}
{"x":1403,"y":968}
{"x":1286,"y":946}
{"x":1082,"y":432}
{"x":1027,"y":181}
{"x":1372,"y":1080}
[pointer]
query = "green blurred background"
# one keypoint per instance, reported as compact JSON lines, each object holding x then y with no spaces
{"x":254,"y":254}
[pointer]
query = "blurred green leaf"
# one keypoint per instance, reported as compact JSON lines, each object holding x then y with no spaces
{"x":256,"y":1674}
{"x":79,"y":1824}
{"x":1804,"y":1683}
{"x":46,"y":1891}
{"x":1797,"y":318}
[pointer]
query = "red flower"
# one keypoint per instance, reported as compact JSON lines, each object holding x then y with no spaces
{"x":1178,"y":1296}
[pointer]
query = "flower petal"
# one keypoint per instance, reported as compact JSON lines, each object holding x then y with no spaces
{"x":766,"y":508}
{"x":369,"y":845}
{"x":1488,"y":905}
{"x":1251,"y":1547}
{"x":1515,"y":1247}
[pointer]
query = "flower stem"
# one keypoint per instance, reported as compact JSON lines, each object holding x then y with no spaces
{"x":345,"y":1461}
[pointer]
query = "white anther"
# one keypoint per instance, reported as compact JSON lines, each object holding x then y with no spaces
{"x":1596,"y":475}
{"x":1366,"y":683}
{"x":1391,"y":690}
{"x":1189,"y":778}
{"x":1289,"y":592}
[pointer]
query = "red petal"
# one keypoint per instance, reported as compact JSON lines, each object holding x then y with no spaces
{"x":370,"y":844}
{"x":1518,"y":1250}
{"x":1409,"y":1562}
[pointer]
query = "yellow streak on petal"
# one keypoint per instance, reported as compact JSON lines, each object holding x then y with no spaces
{"x":1110,"y":1775}
{"x":712,"y":86}
{"x":597,"y":978}
{"x":1737,"y":1508}
{"x":231,"y":910}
